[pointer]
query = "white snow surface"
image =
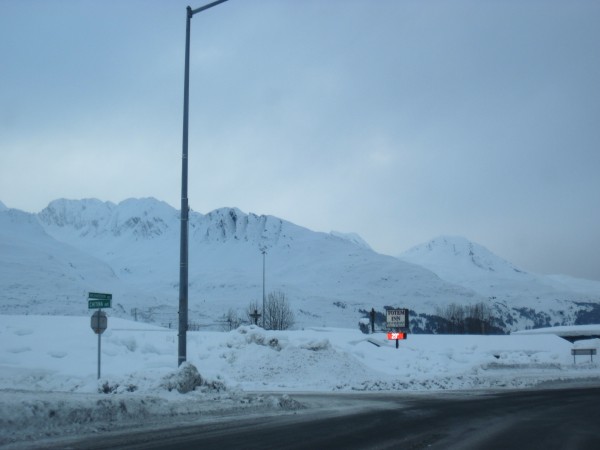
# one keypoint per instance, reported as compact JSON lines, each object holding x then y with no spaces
{"x":579,"y":330}
{"x":352,"y":237}
{"x":49,"y":385}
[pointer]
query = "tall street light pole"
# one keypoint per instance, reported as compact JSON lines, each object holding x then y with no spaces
{"x":183,"y":254}
{"x":264,"y":252}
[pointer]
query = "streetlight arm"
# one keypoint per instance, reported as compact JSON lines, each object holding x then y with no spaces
{"x":191,"y":11}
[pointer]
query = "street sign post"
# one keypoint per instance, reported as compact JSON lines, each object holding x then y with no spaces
{"x":397,"y":320}
{"x":99,"y":323}
{"x":97,"y":300}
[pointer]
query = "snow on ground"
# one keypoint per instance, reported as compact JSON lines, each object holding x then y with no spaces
{"x":568,"y":330}
{"x":48,"y":370}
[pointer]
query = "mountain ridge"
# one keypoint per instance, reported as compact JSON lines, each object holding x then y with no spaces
{"x":330,"y":278}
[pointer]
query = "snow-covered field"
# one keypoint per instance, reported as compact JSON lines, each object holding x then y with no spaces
{"x":49,"y":385}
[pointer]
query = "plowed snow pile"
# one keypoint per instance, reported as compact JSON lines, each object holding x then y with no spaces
{"x":49,"y":384}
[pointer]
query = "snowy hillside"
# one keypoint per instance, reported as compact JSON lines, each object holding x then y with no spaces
{"x":328,"y":278}
{"x":352,"y":237}
{"x":565,"y":282}
{"x":52,"y":259}
{"x":42,"y":275}
{"x":530,"y":299}
{"x":454,"y":257}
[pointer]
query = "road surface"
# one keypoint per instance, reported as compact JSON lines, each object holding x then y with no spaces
{"x":533,"y":419}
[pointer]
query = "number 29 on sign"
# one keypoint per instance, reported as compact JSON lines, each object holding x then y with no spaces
{"x":394,"y":336}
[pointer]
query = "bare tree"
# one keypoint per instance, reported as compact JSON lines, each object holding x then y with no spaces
{"x":231,"y":320}
{"x":454,"y":317}
{"x":278,"y":313}
{"x":479,"y":319}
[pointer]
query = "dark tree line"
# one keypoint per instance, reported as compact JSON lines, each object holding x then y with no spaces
{"x":477,"y":318}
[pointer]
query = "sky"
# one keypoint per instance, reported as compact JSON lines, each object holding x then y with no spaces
{"x":397,"y":120}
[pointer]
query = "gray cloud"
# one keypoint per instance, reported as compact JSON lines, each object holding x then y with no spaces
{"x":396,"y":120}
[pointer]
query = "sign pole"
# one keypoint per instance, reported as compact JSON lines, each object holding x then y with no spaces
{"x":99,"y":321}
{"x":99,"y":348}
{"x":99,"y":351}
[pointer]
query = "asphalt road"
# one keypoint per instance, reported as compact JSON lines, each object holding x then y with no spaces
{"x":536,"y":419}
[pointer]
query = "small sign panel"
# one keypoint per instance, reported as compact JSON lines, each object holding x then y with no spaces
{"x":397,"y":318}
{"x":394,"y":336}
{"x":99,"y":322}
{"x":98,"y":304}
{"x":99,"y":296}
{"x":97,"y":300}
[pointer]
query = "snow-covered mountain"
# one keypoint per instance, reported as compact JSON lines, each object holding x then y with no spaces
{"x":457,"y":258}
{"x":519,"y":294}
{"x":52,"y":259}
{"x":42,"y":275}
{"x":352,"y":237}
{"x":328,"y":278}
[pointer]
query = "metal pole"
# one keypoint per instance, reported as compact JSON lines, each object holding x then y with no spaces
{"x":99,"y":350}
{"x":263,"y":308}
{"x":183,"y":249}
{"x":99,"y":339}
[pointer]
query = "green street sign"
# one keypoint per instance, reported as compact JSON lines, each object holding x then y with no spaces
{"x":98,"y":296}
{"x":98,"y":304}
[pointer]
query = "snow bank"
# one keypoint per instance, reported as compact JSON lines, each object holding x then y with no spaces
{"x":29,"y":415}
{"x":48,"y":369}
{"x":57,"y":353}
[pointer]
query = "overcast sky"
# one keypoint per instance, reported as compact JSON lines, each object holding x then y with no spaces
{"x":398,"y":120}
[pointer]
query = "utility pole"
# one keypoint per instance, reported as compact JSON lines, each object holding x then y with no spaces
{"x":185,"y":209}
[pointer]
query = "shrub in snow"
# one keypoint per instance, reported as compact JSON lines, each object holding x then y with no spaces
{"x":261,"y":339}
{"x":255,"y":338}
{"x":214,"y":386}
{"x":231,"y":320}
{"x":364,"y":325}
{"x":130,"y":343}
{"x":274,"y":343}
{"x":318,"y":345}
{"x":113,"y":387}
{"x":287,"y":403}
{"x":185,"y":379}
